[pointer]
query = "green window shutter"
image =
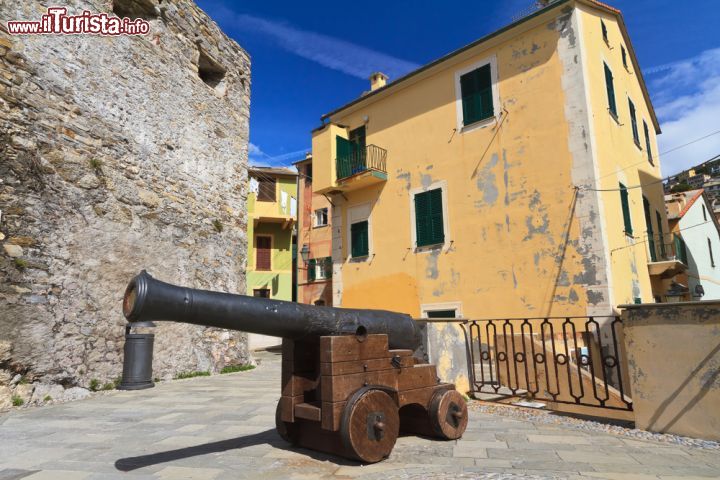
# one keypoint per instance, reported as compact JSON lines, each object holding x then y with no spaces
{"x":610,"y":90}
{"x":633,"y":122}
{"x":359,"y":243}
{"x":311,"y":270}
{"x":344,"y":156}
{"x":661,"y":236}
{"x":328,"y":267}
{"x":429,"y":228}
{"x":626,"y":209}
{"x":650,"y":233}
{"x":647,"y":142}
{"x":476,"y":92}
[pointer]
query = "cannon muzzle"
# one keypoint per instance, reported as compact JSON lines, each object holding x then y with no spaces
{"x":148,"y":299}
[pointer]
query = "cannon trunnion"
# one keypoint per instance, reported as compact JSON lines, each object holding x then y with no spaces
{"x":350,"y":383}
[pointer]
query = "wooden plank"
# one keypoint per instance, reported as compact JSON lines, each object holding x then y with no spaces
{"x":300,"y":356}
{"x":360,"y":366}
{"x":417,"y":376}
{"x":339,"y":387}
{"x":294,"y":384}
{"x":307,"y":411}
{"x":331,"y":415}
{"x":401,"y":353}
{"x":421,"y":396}
{"x":287,"y":407}
{"x":348,"y":347}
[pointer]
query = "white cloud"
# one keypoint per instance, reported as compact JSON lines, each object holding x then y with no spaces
{"x":686,"y":95}
{"x":328,"y":51}
{"x":258,"y":157}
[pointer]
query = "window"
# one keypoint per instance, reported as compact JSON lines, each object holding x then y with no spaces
{"x":704,"y":212}
{"x":626,"y":209}
{"x":261,"y":292}
{"x":661,"y":235}
{"x":624,"y":56}
{"x":429,"y":228}
{"x":321,"y":217}
{"x":610,"y":86}
{"x":319,"y":269}
{"x":441,"y":314}
{"x":266,"y":190}
{"x":209,"y":71}
{"x":319,"y":303}
{"x":359,"y":240}
{"x":712,"y":259}
{"x":476,"y":94}
{"x":603,"y":27}
{"x":263,"y":250}
{"x":647,"y":143}
{"x":650,"y":233}
{"x":633,"y":122}
{"x":308,"y":173}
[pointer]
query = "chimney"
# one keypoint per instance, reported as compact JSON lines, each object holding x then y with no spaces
{"x":377,"y":80}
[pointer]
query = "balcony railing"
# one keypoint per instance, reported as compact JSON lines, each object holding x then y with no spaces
{"x":359,"y":160}
{"x":662,"y":252}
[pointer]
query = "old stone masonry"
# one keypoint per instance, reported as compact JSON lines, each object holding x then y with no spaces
{"x":117,"y":153}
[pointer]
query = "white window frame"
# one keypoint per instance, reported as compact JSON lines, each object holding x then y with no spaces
{"x":445,"y":246}
{"x":492,"y":61}
{"x":355,"y":214}
{"x":320,"y":269}
{"x":434,"y":307}
{"x":316,"y":223}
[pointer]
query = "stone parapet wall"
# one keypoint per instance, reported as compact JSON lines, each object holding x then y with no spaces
{"x":117,"y":154}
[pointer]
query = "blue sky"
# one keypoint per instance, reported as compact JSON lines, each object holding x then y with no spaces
{"x":311,"y":57}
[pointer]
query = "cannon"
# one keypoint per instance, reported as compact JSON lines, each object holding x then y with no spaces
{"x":350,"y":382}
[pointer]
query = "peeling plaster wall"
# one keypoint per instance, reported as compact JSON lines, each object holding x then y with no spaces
{"x":674,"y":366}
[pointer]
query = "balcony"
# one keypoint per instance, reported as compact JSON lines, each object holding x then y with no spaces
{"x":669,"y":259}
{"x":358,"y":167}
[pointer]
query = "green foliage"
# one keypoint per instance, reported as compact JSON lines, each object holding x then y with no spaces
{"x":116,"y":382}
{"x":47,"y":398}
{"x":109,"y":386}
{"x":236,"y":368}
{"x":96,"y":164}
{"x":21,"y":264}
{"x":680,"y":187}
{"x":23,"y":380}
{"x":94,"y":384}
{"x":17,"y":401}
{"x":217,"y":224}
{"x":182,"y":375}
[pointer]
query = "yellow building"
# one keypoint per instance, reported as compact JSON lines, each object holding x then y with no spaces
{"x":502,"y":179}
{"x":272,"y":209}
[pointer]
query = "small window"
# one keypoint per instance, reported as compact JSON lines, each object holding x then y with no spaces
{"x":704,"y":213}
{"x":308,"y":173}
{"x":359,"y":239}
{"x":712,"y":259}
{"x":321,"y":217}
{"x":261,"y":292}
{"x":441,"y":314}
{"x":319,"y":269}
{"x":604,"y":31}
{"x":633,"y":123}
{"x":661,"y":235}
{"x":319,"y":303}
{"x":647,"y":143}
{"x":429,"y":228}
{"x":610,"y":86}
{"x":210,"y":71}
{"x":626,"y":210}
{"x":266,"y":190}
{"x":263,"y":253}
{"x":477,"y":95}
{"x":623,"y":53}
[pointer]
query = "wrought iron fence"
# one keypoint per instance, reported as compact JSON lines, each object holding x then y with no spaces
{"x":358,"y":160}
{"x":571,"y":360}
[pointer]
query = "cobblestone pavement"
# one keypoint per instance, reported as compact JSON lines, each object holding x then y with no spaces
{"x":222,"y":427}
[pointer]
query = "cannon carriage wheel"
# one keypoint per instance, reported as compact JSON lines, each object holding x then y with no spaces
{"x":448,"y":414}
{"x":370,"y":424}
{"x":288,"y":431}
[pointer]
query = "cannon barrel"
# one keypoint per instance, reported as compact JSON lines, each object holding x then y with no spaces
{"x":148,"y":299}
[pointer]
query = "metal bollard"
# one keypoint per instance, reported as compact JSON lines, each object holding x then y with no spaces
{"x":137,"y":361}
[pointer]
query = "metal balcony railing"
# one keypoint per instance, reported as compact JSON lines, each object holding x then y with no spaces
{"x":661,"y":252}
{"x":359,"y":160}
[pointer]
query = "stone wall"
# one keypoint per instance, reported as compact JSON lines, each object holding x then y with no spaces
{"x":116,"y":154}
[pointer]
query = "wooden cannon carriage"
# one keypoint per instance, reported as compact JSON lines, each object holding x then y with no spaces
{"x":350,"y":381}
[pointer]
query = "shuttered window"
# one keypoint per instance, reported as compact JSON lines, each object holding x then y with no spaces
{"x":633,"y":122}
{"x":359,"y":243}
{"x":319,"y":269}
{"x":610,"y":86}
{"x":712,"y":259}
{"x":311,"y":270}
{"x":477,"y":97}
{"x":266,"y":190}
{"x":626,"y":209}
{"x":647,"y":142}
{"x":661,"y":235}
{"x":263,"y":252}
{"x":429,"y":229}
{"x":650,"y":233}
{"x":604,"y":29}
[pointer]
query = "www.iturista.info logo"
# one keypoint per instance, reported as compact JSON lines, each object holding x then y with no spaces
{"x":57,"y":21}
